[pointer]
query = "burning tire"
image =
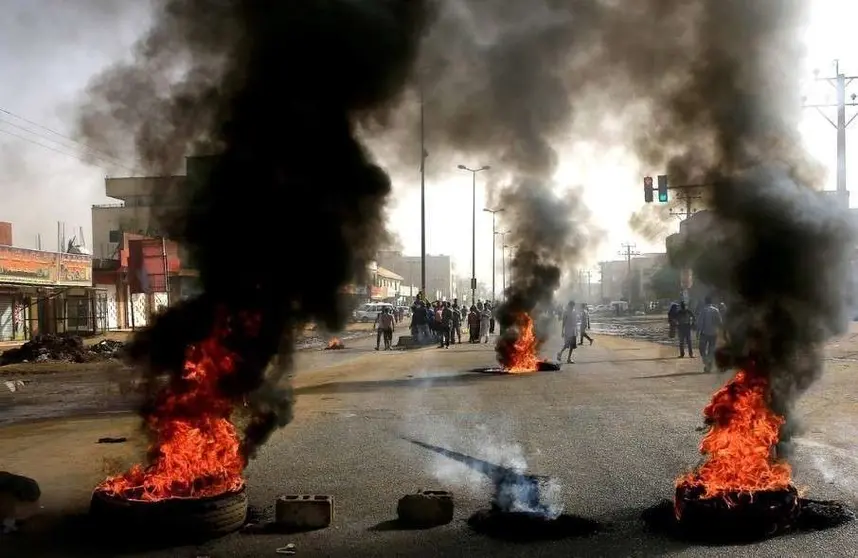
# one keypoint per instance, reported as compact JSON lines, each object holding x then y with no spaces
{"x":172,"y":518}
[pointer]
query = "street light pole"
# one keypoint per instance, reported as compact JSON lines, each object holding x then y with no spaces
{"x":422,"y":198}
{"x":474,"y":230}
{"x":494,"y":250}
{"x":503,"y":260}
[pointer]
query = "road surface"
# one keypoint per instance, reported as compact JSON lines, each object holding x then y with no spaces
{"x":615,"y":428}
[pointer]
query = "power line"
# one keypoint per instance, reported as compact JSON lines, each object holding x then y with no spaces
{"x":78,"y":145}
{"x":13,"y":134}
{"x":54,"y":132}
{"x":96,"y":155}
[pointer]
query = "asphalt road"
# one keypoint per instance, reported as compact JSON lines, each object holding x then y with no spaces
{"x":615,"y":429}
{"x":54,"y":390}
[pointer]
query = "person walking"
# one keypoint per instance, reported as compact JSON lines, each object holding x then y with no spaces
{"x":569,"y":331}
{"x":485,"y":322}
{"x":585,"y":324}
{"x":384,"y":323}
{"x":708,"y":327}
{"x":684,"y":325}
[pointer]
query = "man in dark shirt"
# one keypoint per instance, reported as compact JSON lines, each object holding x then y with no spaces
{"x":456,"y":334}
{"x":684,"y":325}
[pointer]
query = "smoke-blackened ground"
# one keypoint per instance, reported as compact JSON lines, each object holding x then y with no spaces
{"x":275,"y":90}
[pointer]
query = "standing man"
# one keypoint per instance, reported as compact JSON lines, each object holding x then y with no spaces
{"x":708,"y":327}
{"x":485,"y":321}
{"x":585,"y":324}
{"x":569,"y":331}
{"x":684,"y":325}
{"x":492,"y":321}
{"x":456,"y":334}
{"x":384,"y":324}
{"x":446,"y":325}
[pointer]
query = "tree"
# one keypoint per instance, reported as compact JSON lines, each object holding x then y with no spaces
{"x":665,"y":282}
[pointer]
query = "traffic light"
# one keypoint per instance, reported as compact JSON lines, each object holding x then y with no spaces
{"x":648,"y":189}
{"x":662,"y":188}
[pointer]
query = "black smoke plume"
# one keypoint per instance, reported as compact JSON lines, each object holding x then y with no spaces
{"x":291,"y":208}
{"x":714,"y":103}
{"x":727,"y":116}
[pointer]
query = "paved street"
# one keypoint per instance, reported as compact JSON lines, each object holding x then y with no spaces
{"x":616,"y":429}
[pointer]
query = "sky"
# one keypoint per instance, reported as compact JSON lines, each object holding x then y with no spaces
{"x":49,"y":49}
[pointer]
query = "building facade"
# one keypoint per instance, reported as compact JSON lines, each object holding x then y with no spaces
{"x":439,"y":272}
{"x":46,"y":292}
{"x":621,"y":280}
{"x":144,"y":205}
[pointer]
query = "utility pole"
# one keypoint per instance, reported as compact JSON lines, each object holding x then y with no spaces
{"x":494,"y":250}
{"x":840,"y":83}
{"x":628,"y":252}
{"x":503,"y":260}
{"x":474,"y":229}
{"x":423,"y":155}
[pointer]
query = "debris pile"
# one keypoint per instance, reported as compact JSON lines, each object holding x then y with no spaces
{"x":70,"y":348}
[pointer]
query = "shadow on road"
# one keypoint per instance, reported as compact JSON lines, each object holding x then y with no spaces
{"x":377,"y":385}
{"x":676,"y":375}
{"x":623,"y":360}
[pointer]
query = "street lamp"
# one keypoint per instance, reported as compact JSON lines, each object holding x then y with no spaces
{"x":510,"y":246}
{"x":474,"y":230}
{"x":494,"y":250}
{"x":503,"y":260}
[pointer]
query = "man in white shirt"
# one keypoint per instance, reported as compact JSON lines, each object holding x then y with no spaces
{"x":569,"y":331}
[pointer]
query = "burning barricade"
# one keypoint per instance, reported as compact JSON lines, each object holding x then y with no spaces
{"x":517,"y":350}
{"x":193,"y":483}
{"x":743,"y":489}
{"x":335,"y":344}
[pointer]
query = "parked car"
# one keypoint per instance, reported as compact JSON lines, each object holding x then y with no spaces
{"x":369,"y":312}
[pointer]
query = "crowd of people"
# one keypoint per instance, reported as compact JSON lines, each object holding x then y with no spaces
{"x":441,"y":322}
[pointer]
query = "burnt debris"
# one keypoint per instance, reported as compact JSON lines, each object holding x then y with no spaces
{"x":766,"y":515}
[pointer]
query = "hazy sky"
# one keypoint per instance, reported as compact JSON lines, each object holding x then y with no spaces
{"x":50,"y":48}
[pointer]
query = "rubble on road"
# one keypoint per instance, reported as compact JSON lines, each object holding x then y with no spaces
{"x":70,"y":348}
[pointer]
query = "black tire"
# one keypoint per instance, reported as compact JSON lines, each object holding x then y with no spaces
{"x":188,"y":519}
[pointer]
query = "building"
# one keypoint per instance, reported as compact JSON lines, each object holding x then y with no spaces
{"x":386,"y":285}
{"x":46,"y":292}
{"x":621,"y":280}
{"x":439,"y":272}
{"x":137,"y":222}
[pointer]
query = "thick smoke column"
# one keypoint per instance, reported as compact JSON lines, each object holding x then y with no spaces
{"x":779,"y":249}
{"x":275,"y":89}
{"x":497,"y":87}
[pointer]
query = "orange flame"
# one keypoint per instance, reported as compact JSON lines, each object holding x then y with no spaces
{"x":197,"y":451}
{"x":740,"y":443}
{"x":519,"y":356}
{"x":335,"y":343}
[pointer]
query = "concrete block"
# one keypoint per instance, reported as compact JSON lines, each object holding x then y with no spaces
{"x":426,"y":508}
{"x":304,"y":511}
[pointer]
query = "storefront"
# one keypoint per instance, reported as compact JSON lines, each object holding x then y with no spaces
{"x":45,"y":292}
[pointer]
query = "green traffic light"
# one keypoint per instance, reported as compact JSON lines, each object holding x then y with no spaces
{"x":662,"y":197}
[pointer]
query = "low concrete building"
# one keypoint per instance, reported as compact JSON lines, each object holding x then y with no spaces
{"x":46,"y":292}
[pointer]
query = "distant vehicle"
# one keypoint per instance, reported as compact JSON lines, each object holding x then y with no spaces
{"x":369,"y":312}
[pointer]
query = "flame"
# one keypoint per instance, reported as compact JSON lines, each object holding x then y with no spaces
{"x":740,"y":442}
{"x":335,"y":343}
{"x":518,"y":355}
{"x":197,"y":450}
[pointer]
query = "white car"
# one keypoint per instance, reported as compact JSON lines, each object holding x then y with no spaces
{"x":369,"y":312}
